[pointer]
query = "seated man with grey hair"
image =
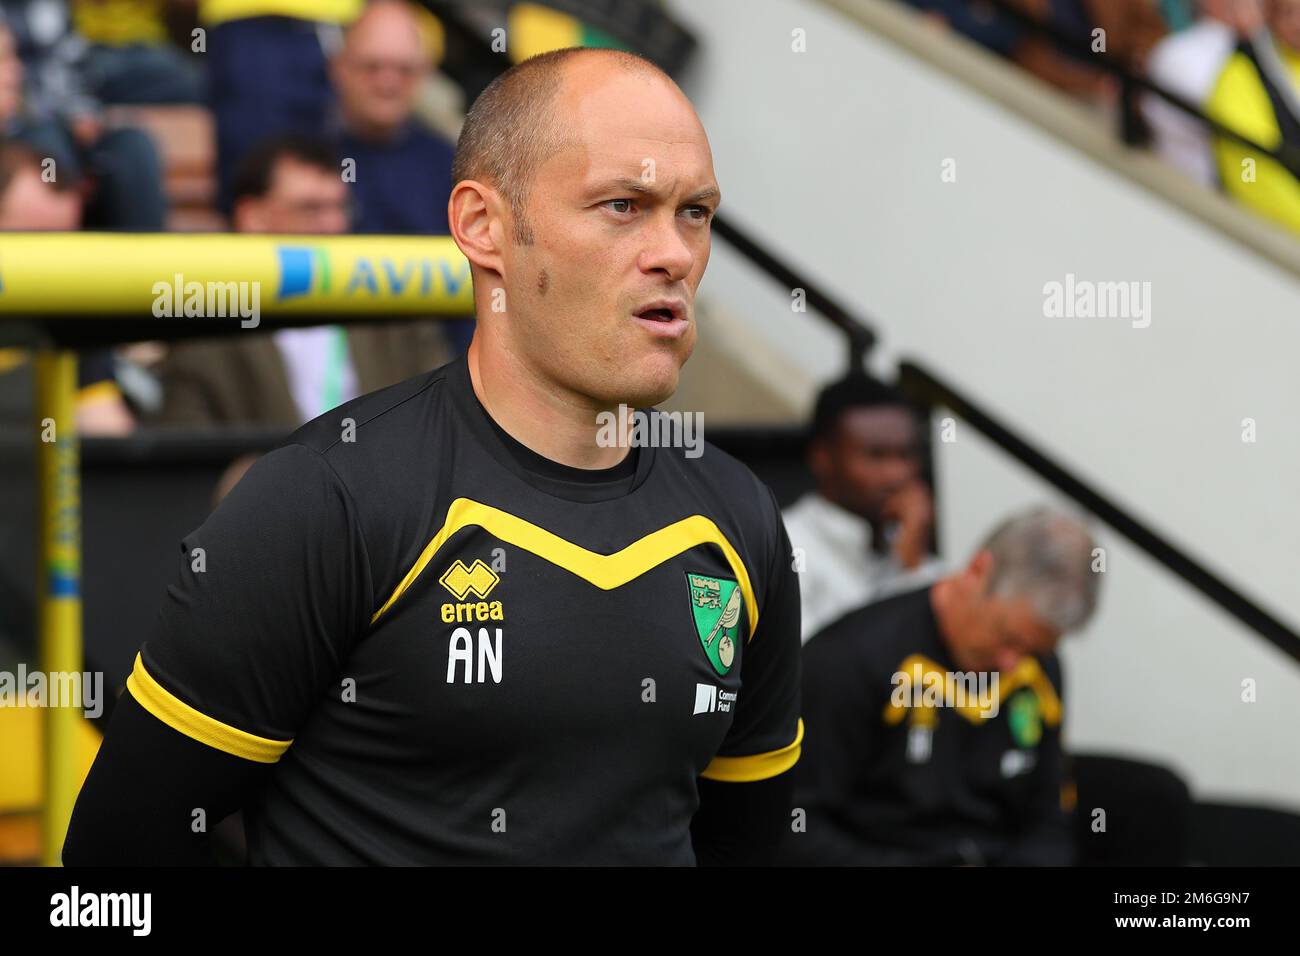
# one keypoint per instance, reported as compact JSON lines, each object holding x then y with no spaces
{"x":933,"y":718}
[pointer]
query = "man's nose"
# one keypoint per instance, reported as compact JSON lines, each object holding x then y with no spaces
{"x":668,"y":251}
{"x":899,"y":469}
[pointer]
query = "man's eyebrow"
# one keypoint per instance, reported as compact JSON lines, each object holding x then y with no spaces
{"x":640,"y":187}
{"x":708,"y":192}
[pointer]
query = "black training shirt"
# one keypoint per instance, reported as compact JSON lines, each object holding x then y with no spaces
{"x":451,"y":652}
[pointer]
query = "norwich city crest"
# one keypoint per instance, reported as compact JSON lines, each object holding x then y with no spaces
{"x":715,"y":603}
{"x":1025,"y":718}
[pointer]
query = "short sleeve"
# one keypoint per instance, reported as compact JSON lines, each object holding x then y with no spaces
{"x":270,"y":594}
{"x":766,"y":734}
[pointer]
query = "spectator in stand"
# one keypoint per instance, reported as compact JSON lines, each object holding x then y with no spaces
{"x":981,"y":22}
{"x":1258,"y":95}
{"x":130,"y":58}
{"x":1131,"y":28}
{"x":29,"y":202}
{"x":46,"y":106}
{"x":866,"y":530}
{"x":402,"y":171}
{"x":268,"y":72}
{"x":290,"y":185}
{"x":1188,"y":64}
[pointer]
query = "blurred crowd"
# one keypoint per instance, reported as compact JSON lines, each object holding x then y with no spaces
{"x":105,"y":102}
{"x":147,"y":115}
{"x":1237,"y":62}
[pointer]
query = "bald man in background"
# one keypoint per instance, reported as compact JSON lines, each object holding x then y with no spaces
{"x":401,"y":171}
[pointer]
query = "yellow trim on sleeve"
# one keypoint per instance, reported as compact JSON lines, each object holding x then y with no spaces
{"x":605,"y":571}
{"x":756,"y":766}
{"x":180,"y":716}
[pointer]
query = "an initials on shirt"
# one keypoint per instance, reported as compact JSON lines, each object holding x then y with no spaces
{"x":460,"y":648}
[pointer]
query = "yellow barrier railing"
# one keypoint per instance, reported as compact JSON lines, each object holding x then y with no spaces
{"x":98,"y":277}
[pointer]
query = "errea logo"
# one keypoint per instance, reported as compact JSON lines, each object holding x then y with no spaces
{"x":477,"y":580}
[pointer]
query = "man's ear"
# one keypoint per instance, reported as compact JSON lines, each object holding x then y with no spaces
{"x":476,"y":216}
{"x":980,"y":570}
{"x":819,"y":459}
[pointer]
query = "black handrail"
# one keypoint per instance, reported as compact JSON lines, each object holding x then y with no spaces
{"x":860,"y":337}
{"x":1130,"y":82}
{"x":927,"y":388}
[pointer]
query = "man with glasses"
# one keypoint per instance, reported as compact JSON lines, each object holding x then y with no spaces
{"x":290,"y":185}
{"x":400,"y":172}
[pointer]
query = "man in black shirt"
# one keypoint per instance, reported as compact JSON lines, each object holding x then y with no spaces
{"x":450,"y":621}
{"x":934,"y":717}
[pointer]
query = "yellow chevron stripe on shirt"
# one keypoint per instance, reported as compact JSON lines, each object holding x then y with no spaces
{"x":605,"y":571}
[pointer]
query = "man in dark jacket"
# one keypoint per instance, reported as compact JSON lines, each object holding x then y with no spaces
{"x":934,"y":717}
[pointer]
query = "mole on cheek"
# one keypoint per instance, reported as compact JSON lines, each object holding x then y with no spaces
{"x":543,"y":282}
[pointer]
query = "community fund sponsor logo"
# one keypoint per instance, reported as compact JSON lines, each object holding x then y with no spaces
{"x":715,"y":609}
{"x":83,"y":690}
{"x":74,"y":908}
{"x":208,"y":300}
{"x":633,"y":428}
{"x":1084,"y":299}
{"x":710,"y":699}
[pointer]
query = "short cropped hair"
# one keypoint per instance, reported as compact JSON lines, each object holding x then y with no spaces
{"x":254,"y":172}
{"x":512,"y":128}
{"x":855,"y":390}
{"x":1045,"y":556}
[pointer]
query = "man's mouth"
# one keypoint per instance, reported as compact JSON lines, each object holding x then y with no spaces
{"x":660,"y":315}
{"x":666,"y":318}
{"x":662,"y":310}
